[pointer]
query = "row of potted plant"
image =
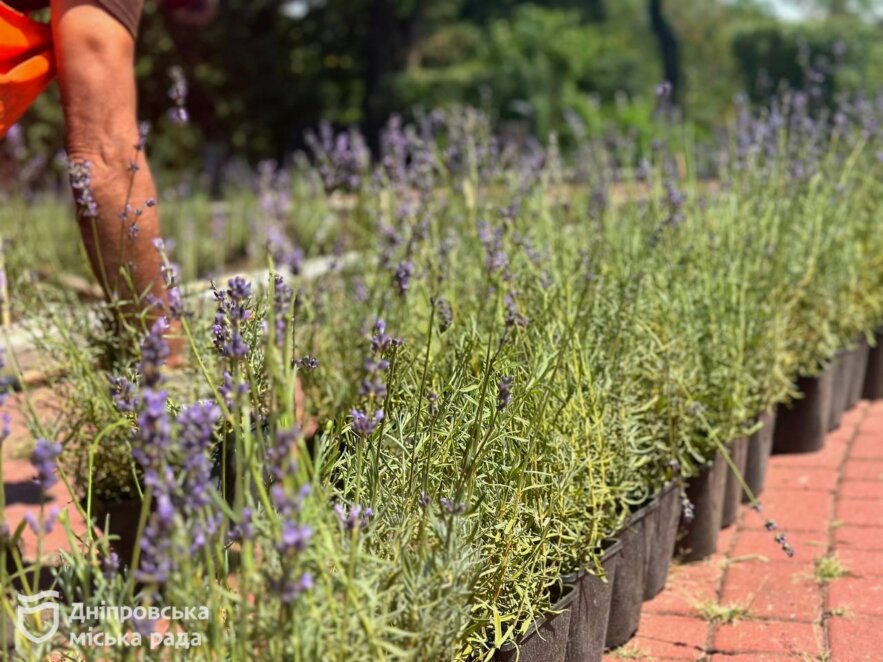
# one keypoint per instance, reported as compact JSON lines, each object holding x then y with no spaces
{"x":542,"y":348}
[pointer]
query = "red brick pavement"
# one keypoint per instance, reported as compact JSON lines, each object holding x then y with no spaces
{"x":828,"y":503}
{"x":22,"y":493}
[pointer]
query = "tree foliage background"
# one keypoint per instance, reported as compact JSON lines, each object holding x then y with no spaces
{"x":266,"y":70}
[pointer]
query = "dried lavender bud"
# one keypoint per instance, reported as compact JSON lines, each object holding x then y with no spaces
{"x":452,"y":508}
{"x":445,"y":315}
{"x":504,"y":393}
{"x":308,"y":362}
{"x":687,"y":509}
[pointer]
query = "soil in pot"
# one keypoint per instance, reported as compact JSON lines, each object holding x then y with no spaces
{"x":733,"y":491}
{"x":697,"y":537}
{"x":859,"y":368}
{"x":591,"y":607}
{"x":760,"y":445}
{"x":873,"y":386}
{"x":841,"y":369}
{"x":661,"y":531}
{"x":628,"y":589}
{"x":801,"y":425}
{"x":546,"y":640}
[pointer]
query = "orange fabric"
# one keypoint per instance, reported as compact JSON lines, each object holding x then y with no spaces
{"x":27,"y":64}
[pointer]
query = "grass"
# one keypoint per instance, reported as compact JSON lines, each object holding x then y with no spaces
{"x":728,"y":614}
{"x":829,"y":568}
{"x":631,"y":652}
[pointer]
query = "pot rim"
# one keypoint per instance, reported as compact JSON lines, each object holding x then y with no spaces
{"x":568,"y":595}
{"x":610,"y":547}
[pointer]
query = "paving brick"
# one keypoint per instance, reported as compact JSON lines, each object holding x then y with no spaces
{"x":768,"y":637}
{"x":856,"y":639}
{"x":725,"y":540}
{"x":671,"y":637}
{"x":23,"y":496}
{"x":47,"y":406}
{"x":858,"y":537}
{"x":857,"y":595}
{"x":777,"y":590}
{"x":861,"y":563}
{"x":867,"y":445}
{"x":801,"y":478}
{"x":862,"y":512}
{"x":688,"y":586}
{"x":751,"y":657}
{"x":854,"y":416}
{"x":761,"y":544}
{"x":872,"y":424}
{"x":792,"y":510}
{"x":830,"y":457}
{"x":862,"y":489}
{"x":864,"y":469}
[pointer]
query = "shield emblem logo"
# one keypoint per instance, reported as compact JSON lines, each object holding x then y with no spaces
{"x":34,"y":604}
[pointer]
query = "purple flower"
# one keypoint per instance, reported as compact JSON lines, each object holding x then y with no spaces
{"x":365,"y":425}
{"x":238,"y":289}
{"x":229,"y":392}
{"x":226,"y":330}
{"x":496,"y":258}
{"x":80,"y":174}
{"x":110,"y":565}
{"x":452,"y":508}
{"x":5,"y":421}
{"x":244,"y":530}
{"x":294,"y":537}
{"x":124,"y":394}
{"x":178,"y":94}
{"x":289,"y":588}
{"x":504,"y":393}
{"x":282,"y":298}
{"x":154,"y":353}
{"x":280,"y":455}
{"x":176,"y":303}
{"x":355,"y":517}
{"x":513,"y":317}
{"x":43,"y":459}
{"x":308,"y":362}
{"x":45,"y":525}
{"x":402,"y":277}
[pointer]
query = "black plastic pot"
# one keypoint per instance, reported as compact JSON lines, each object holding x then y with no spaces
{"x":697,"y":538}
{"x":841,"y":378}
{"x":873,"y":386}
{"x":546,"y":640}
{"x":801,"y":425}
{"x":659,"y":538}
{"x":628,"y":589}
{"x":119,"y":521}
{"x":760,"y":445}
{"x":733,"y":490}
{"x":591,"y":607}
{"x":859,"y":368}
